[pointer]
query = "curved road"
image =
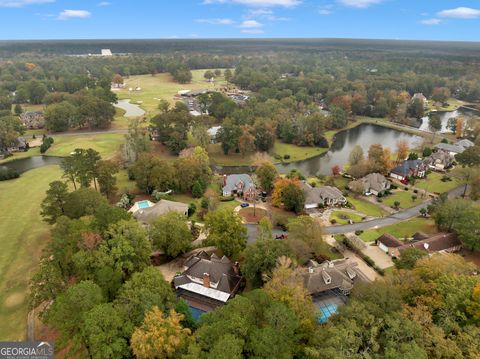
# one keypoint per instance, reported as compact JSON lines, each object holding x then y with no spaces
{"x":393,"y":219}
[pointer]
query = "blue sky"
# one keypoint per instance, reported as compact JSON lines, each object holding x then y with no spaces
{"x":379,"y":19}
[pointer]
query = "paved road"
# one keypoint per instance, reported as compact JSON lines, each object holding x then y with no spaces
{"x":386,"y":221}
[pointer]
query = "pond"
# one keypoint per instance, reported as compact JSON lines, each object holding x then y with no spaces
{"x":445,"y":116}
{"x":26,"y":164}
{"x":364,"y":135}
{"x":131,"y":109}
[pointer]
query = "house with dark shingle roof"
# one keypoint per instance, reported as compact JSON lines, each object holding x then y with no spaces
{"x":207,"y":281}
{"x":386,"y":242}
{"x":239,"y":184}
{"x":407,"y":169}
{"x":439,"y":160}
{"x":322,"y":196}
{"x":438,"y":243}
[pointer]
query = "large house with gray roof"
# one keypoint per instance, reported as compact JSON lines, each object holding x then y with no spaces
{"x":208,"y":281}
{"x":439,"y":160}
{"x":409,"y":168}
{"x":241,"y":185}
{"x":322,"y":196}
{"x":373,"y":183}
{"x":456,"y":148}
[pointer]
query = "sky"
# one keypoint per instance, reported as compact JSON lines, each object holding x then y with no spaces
{"x":146,"y":19}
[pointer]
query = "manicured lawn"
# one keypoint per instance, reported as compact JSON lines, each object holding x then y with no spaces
{"x":124,"y":184}
{"x":337,"y":216}
{"x":402,"y":229}
{"x":216,"y":154}
{"x":23,"y":235}
{"x":106,"y":144}
{"x":404,"y":197}
{"x":247,"y":214}
{"x":366,"y":207}
{"x":162,"y":86}
{"x":433,"y":183}
{"x":296,"y":153}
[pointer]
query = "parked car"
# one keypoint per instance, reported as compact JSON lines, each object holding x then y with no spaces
{"x":244,"y":205}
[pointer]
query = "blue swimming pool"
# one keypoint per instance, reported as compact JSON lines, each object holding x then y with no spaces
{"x":196,"y":313}
{"x":326,"y":312}
{"x":143,"y":204}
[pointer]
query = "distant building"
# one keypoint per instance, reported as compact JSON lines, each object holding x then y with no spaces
{"x":146,"y":211}
{"x":207,"y":281}
{"x":106,"y":52}
{"x":32,"y":120}
{"x":373,"y":183}
{"x":212,"y":132}
{"x":241,"y":185}
{"x":322,"y":196}
{"x":407,"y":169}
{"x":421,"y":97}
{"x":456,"y":148}
{"x":439,"y":160}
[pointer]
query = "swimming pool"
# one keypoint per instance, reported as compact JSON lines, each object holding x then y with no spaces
{"x":326,"y":312}
{"x":143,"y":204}
{"x":196,"y":313}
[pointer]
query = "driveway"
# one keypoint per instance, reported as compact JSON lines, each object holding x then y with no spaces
{"x":393,"y":219}
{"x":381,"y":259}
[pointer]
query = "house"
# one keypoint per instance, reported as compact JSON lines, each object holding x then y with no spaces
{"x":456,"y":148}
{"x":212,"y":132}
{"x":322,"y":196}
{"x":386,"y":242}
{"x":207,"y":281}
{"x":20,"y":145}
{"x":439,"y":160}
{"x":32,"y":119}
{"x":418,"y":236}
{"x":146,"y":211}
{"x":241,"y":185}
{"x":420,"y":96}
{"x":373,"y":183}
{"x":106,"y":52}
{"x":438,"y":243}
{"x":407,"y":169}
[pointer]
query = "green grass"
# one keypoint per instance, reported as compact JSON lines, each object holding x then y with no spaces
{"x":18,"y":155}
{"x":124,"y":184}
{"x":366,"y":207}
{"x":402,"y":229}
{"x":434,"y":184}
{"x":23,"y":235}
{"x":106,"y":144}
{"x":404,"y":197}
{"x":296,"y":153}
{"x":336,"y":215}
{"x":217,"y":156}
{"x":162,"y":86}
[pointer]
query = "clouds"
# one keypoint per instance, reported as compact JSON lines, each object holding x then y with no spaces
{"x":460,"y":13}
{"x":74,"y":14}
{"x":257,"y":3}
{"x":433,"y":21}
{"x":360,"y":4}
{"x":104,"y":3}
{"x":22,"y":3}
{"x":216,"y":21}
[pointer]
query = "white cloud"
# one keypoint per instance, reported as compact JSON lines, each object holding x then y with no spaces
{"x":360,"y":3}
{"x":257,"y":3}
{"x":324,"y":11}
{"x":251,"y":24}
{"x":21,"y":3}
{"x":432,"y":21}
{"x":252,"y":31}
{"x":217,"y":21}
{"x":104,"y":3}
{"x":263,"y":14}
{"x":461,"y":13}
{"x":74,"y":14}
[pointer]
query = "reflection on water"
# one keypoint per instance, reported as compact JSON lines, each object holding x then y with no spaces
{"x":445,"y":116}
{"x":25,"y":164}
{"x":364,"y":135}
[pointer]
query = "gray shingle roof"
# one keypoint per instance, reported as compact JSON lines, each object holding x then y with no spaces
{"x":161,"y":207}
{"x":404,"y":168}
{"x":319,"y":194}
{"x":450,"y":148}
{"x":329,"y":275}
{"x":233,"y":181}
{"x":436,"y":243}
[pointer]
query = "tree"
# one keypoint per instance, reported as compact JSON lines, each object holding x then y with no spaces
{"x":47,"y":283}
{"x":229,"y":135}
{"x":104,"y":332}
{"x":356,"y":155}
{"x":307,"y":230}
{"x":409,"y":258}
{"x":117,"y":80}
{"x":402,"y":150}
{"x":336,"y":170}
{"x":264,"y":136}
{"x":228,"y":75}
{"x":264,"y":229}
{"x":137,"y":141}
{"x":447,"y":214}
{"x":261,"y":259}
{"x":467,"y":227}
{"x":153,"y":173}
{"x":18,"y":110}
{"x":200,"y":135}
{"x":159,"y":336}
{"x":66,"y":314}
{"x":434,"y":125}
{"x":293,"y":198}
{"x":106,"y":180}
{"x":338,"y":117}
{"x":226,"y":232}
{"x":470,"y":157}
{"x":208,"y":75}
{"x":170,"y":233}
{"x":416,"y":108}
{"x":10,"y":129}
{"x":142,"y":292}
{"x":126,"y":247}
{"x":379,"y":158}
{"x":266,"y":173}
{"x":459,"y":127}
{"x":83,"y":202}
{"x":53,"y":205}
{"x":246,"y":142}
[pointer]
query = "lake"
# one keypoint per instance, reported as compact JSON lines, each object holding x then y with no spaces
{"x":26,"y":164}
{"x":445,"y":116}
{"x":131,"y":109}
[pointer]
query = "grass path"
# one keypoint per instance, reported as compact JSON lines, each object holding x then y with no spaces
{"x":23,"y":235}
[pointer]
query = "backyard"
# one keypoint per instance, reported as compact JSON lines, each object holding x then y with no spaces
{"x":402,"y":229}
{"x":434,"y":184}
{"x":404,"y":197}
{"x":344,"y":217}
{"x":366,"y":207}
{"x":21,"y":246}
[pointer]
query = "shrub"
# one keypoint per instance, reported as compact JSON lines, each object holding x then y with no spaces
{"x":204,"y":203}
{"x":191,"y":209}
{"x":47,"y":142}
{"x":333,"y":221}
{"x":358,"y":232}
{"x":286,"y":157}
{"x":406,"y":188}
{"x":8,"y":174}
{"x":415,"y":191}
{"x":414,"y":198}
{"x":379,"y":200}
{"x":131,"y":174}
{"x":380,"y":194}
{"x":226,"y":198}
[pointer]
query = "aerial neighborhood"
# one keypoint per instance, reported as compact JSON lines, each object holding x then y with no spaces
{"x":218,"y":200}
